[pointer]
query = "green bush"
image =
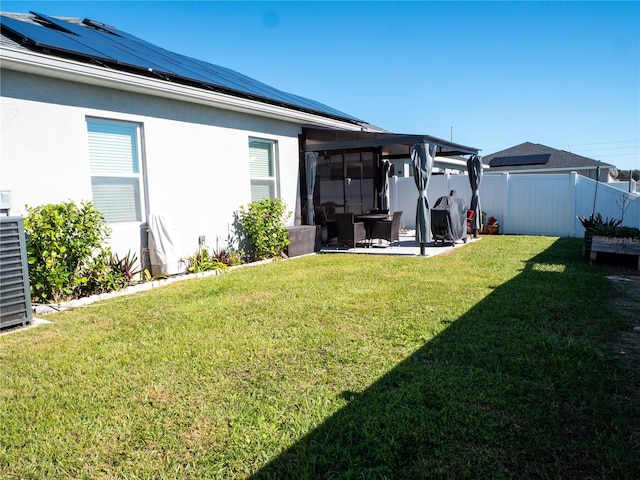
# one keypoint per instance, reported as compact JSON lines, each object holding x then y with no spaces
{"x":607,"y":227}
{"x":106,"y":272}
{"x":227,"y":256}
{"x":262,"y":231}
{"x":65,"y":247}
{"x":202,"y":261}
{"x":96,"y":276}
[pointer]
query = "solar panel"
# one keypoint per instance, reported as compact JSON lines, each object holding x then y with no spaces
{"x":45,"y":37}
{"x":96,"y":41}
{"x":101,"y":43}
{"x":520,"y":160}
{"x":221,"y":76}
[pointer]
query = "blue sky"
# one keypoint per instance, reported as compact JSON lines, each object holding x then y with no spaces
{"x":486,"y":74}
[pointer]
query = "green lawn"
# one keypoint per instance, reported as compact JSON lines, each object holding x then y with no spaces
{"x":489,"y":362}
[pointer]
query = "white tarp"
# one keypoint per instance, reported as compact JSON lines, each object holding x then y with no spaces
{"x":164,"y":253}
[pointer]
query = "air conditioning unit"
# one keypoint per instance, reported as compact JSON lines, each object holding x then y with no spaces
{"x":15,"y":295}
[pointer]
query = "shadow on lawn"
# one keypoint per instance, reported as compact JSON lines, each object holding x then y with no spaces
{"x":515,"y":388}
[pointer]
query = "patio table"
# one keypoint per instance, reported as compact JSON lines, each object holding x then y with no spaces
{"x":369,"y":219}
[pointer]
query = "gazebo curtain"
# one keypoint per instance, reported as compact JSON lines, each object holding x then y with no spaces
{"x":383,"y":202}
{"x":422,"y":156}
{"x":474,"y":168}
{"x":310,"y":160}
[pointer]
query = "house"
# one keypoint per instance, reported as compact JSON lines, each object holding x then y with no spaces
{"x":535,"y":158}
{"x":90,"y":112}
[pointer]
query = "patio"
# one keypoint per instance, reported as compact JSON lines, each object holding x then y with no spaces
{"x":408,"y":246}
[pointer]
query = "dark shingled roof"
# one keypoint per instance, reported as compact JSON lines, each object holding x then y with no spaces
{"x":558,"y":159}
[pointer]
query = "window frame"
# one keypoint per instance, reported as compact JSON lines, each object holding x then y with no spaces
{"x":137,"y":176}
{"x":273,"y":180}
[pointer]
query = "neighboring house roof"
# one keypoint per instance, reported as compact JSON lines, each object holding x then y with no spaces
{"x":533,"y":156}
{"x":97,"y":44}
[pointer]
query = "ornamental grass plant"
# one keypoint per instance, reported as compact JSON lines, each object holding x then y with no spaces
{"x":493,"y":361}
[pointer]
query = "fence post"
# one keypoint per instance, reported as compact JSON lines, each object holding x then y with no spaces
{"x":505,"y":201}
{"x":573,"y":180}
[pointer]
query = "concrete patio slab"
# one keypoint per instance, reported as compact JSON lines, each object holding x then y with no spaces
{"x":407,"y":247}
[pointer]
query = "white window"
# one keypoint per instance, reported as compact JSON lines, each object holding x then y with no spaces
{"x":116,"y":179}
{"x":263,"y":168}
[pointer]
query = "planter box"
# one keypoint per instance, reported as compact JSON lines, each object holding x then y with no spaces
{"x":620,"y":246}
{"x":302,"y":240}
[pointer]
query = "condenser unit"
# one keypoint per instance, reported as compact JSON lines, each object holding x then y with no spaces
{"x":15,"y":297}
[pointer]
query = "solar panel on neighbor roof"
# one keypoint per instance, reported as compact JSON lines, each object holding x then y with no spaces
{"x":519,"y":160}
{"x":94,"y":40}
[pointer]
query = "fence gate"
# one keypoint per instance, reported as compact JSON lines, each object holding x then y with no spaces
{"x":15,"y":297}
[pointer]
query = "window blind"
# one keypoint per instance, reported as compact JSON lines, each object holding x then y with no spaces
{"x":261,"y":162}
{"x":262,"y":169}
{"x":115,"y":169}
{"x":261,"y":190}
{"x":113,"y":147}
{"x":117,"y":198}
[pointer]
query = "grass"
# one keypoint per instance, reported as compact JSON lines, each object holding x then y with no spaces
{"x":490,"y":362}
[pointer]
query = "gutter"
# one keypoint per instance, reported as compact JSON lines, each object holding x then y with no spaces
{"x":73,"y":71}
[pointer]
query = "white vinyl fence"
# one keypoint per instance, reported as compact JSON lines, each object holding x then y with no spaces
{"x":526,"y":204}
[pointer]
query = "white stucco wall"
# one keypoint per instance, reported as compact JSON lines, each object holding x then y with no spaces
{"x":196,"y":157}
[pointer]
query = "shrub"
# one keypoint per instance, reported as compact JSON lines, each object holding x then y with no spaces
{"x":597,"y":223}
{"x":106,"y":272}
{"x":262,"y":231}
{"x":227,"y":256}
{"x":607,"y":227}
{"x":62,"y":239}
{"x":126,"y":268}
{"x":202,"y":261}
{"x":97,"y":275}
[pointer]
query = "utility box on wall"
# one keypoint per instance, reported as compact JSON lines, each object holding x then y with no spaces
{"x":5,"y":202}
{"x":15,"y":295}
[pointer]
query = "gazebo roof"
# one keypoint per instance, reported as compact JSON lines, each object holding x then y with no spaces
{"x":392,"y":145}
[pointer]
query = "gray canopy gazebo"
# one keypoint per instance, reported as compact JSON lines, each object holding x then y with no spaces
{"x":380,"y":147}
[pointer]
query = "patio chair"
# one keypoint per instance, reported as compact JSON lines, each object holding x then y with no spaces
{"x":470,"y":219}
{"x":388,"y":230}
{"x":350,"y":232}
{"x":327,"y":227}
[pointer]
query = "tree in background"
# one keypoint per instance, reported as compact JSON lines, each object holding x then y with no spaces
{"x":623,"y":175}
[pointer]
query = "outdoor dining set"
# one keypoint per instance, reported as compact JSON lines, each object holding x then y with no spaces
{"x":360,"y":229}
